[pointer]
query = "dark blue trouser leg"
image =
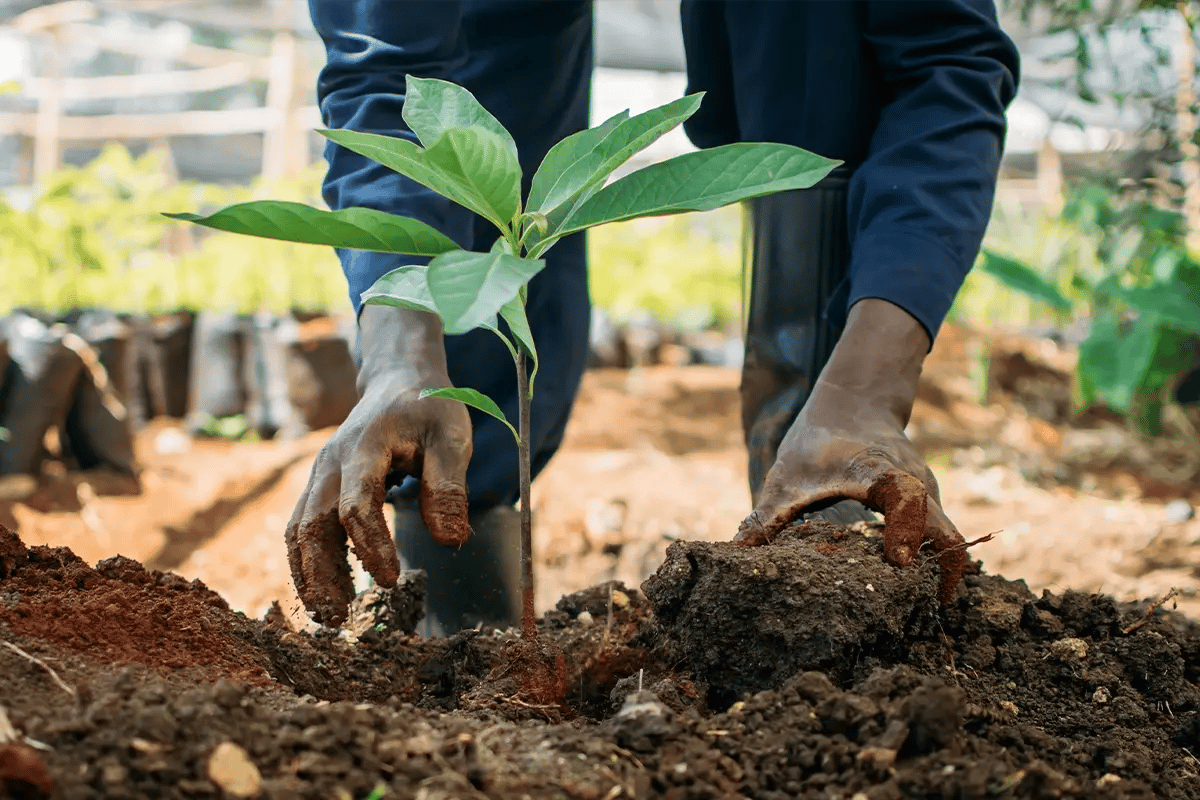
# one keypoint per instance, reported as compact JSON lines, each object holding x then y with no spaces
{"x":530,"y":65}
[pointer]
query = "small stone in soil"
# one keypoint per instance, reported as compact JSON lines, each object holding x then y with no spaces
{"x":232,"y":770}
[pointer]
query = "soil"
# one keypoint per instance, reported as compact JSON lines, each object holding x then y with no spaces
{"x":690,"y":666}
{"x":731,"y":676}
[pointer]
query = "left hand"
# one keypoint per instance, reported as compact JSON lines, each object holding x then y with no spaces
{"x":848,"y":442}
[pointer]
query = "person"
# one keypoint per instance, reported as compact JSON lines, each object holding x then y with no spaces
{"x":850,"y":280}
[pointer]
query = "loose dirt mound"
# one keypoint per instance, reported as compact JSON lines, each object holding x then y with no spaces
{"x":999,"y":694}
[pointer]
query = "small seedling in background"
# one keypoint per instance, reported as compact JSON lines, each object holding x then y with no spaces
{"x":469,"y":157}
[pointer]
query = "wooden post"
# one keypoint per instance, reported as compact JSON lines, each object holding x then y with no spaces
{"x":47,"y":147}
{"x":1185,"y":123}
{"x":1049,"y":177}
{"x":281,"y":95}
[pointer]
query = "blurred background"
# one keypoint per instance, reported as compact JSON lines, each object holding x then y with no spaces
{"x":184,"y":380}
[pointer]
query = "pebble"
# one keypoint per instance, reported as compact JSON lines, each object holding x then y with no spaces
{"x":1179,"y":511}
{"x":232,"y":770}
{"x":1070,"y":648}
{"x":585,"y":618}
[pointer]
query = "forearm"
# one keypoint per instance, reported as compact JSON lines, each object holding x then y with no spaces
{"x":401,"y":342}
{"x":371,"y":47}
{"x":877,"y":360}
{"x":920,"y":202}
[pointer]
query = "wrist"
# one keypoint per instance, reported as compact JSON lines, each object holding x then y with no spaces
{"x":877,"y":361}
{"x":401,"y":344}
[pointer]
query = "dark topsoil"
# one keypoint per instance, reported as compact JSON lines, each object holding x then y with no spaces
{"x":805,"y":668}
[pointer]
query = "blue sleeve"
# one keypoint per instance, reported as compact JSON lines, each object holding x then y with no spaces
{"x":371,"y":46}
{"x":920,"y":202}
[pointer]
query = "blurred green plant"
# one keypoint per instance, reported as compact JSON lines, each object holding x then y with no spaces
{"x":686,"y":271}
{"x":92,"y":237}
{"x":1123,"y":265}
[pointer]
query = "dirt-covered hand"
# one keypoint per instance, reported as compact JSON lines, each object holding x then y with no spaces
{"x":392,"y":430}
{"x":849,"y":442}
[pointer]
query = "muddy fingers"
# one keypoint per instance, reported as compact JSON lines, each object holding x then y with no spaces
{"x":911,"y":518}
{"x":317,"y":553}
{"x":904,"y":502}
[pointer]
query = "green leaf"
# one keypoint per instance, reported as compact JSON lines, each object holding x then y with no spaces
{"x":577,"y":167}
{"x":475,"y":400}
{"x":1024,"y":279}
{"x":408,"y":287}
{"x":570,"y":165}
{"x":355,"y":228}
{"x":1115,"y":361}
{"x":405,"y":287}
{"x":701,"y":181}
{"x":479,"y":163}
{"x":494,"y":164}
{"x":513,"y":313}
{"x":431,"y":107}
{"x":469,"y":289}
{"x":1172,"y":302}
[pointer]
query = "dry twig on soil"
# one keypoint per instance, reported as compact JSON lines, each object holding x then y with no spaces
{"x":987,"y":537}
{"x":1128,"y":629}
{"x":35,"y":660}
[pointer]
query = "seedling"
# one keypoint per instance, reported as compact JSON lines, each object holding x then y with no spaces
{"x":466,"y":155}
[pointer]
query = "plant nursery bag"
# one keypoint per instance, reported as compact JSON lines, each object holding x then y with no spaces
{"x":162,"y":366}
{"x":216,"y":383}
{"x":3,"y":356}
{"x":269,"y":411}
{"x":321,"y":371}
{"x":38,"y":389}
{"x":98,"y":429}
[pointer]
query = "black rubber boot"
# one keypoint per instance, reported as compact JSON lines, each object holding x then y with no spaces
{"x":480,"y":583}
{"x":799,"y":258}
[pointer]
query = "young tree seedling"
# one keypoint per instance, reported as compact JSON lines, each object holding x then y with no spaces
{"x":466,"y":155}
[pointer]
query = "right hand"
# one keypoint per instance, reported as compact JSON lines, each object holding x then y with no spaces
{"x":390,"y":430}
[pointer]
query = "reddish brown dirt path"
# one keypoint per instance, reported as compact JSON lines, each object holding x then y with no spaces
{"x":650,"y":457}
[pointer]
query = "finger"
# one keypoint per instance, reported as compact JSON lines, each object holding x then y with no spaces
{"x":904,"y":501}
{"x":317,"y":552}
{"x":952,"y":549}
{"x":780,"y":506}
{"x":360,"y":511}
{"x":444,"y":490}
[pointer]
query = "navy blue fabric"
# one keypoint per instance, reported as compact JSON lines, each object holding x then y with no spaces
{"x":910,"y":93}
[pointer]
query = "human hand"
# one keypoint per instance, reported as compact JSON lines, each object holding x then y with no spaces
{"x":834,"y":452}
{"x":848,"y":442}
{"x":391,"y":430}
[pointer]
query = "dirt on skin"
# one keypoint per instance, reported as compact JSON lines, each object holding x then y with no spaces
{"x":166,"y":693}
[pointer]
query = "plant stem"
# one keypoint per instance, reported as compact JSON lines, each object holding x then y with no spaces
{"x":528,"y":626}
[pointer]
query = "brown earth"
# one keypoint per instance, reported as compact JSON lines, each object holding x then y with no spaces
{"x":1074,"y":504}
{"x":846,"y":678}
{"x":719,"y":684}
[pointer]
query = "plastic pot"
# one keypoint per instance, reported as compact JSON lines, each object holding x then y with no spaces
{"x":269,"y":410}
{"x":321,"y":372}
{"x":218,"y":364}
{"x":99,"y":433}
{"x":3,"y":356}
{"x":163,"y":359}
{"x":39,"y":387}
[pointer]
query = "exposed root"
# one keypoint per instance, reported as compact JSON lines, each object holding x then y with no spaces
{"x":1128,"y":629}
{"x":35,"y":660}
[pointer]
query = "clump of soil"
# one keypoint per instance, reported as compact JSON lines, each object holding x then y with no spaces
{"x":818,"y":597}
{"x":998,"y":694}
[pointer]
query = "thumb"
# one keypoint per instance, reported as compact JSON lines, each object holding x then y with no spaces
{"x":781,"y":504}
{"x":444,"y":490}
